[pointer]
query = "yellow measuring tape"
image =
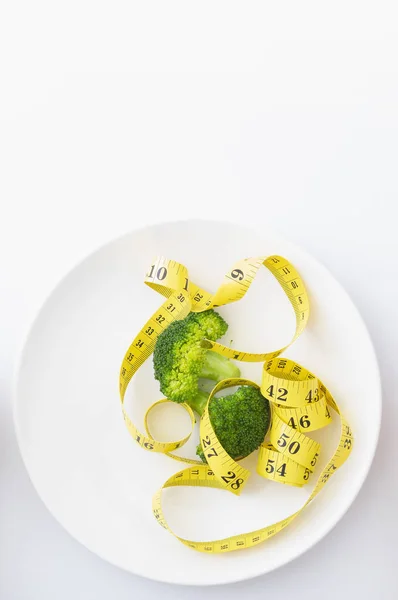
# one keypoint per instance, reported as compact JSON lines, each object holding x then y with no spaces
{"x":300,"y":401}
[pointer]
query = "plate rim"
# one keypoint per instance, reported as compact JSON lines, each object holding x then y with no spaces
{"x":20,"y":352}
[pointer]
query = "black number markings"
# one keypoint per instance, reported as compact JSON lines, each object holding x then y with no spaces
{"x":236,"y":484}
{"x":304,"y":422}
{"x":161,"y":273}
{"x":270,"y":467}
{"x":293,"y":447}
{"x":282,"y":470}
{"x":281,"y":391}
{"x":212,"y":453}
{"x":237,"y":274}
{"x":282,"y":442}
{"x":312,"y":397}
{"x":230,"y":476}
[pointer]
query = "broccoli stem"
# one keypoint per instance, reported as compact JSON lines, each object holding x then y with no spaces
{"x":217,"y":367}
{"x":198,"y":402}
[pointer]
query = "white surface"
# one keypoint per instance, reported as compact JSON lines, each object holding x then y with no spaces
{"x":99,"y":484}
{"x":112,"y":117}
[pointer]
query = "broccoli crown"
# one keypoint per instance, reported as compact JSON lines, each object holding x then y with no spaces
{"x":240,"y":421}
{"x":178,"y":357}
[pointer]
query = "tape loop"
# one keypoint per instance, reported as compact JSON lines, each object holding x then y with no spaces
{"x":301,"y":403}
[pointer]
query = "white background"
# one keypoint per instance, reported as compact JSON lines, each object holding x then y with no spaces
{"x":117,"y":114}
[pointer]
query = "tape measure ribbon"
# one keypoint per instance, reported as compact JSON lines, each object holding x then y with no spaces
{"x":300,"y":401}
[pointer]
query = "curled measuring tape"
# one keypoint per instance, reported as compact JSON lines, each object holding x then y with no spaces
{"x":300,"y":401}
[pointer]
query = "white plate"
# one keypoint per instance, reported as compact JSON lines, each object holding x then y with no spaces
{"x":98,"y":483}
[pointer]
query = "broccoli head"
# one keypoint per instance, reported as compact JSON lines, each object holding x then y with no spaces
{"x":240,"y":421}
{"x":180,"y":361}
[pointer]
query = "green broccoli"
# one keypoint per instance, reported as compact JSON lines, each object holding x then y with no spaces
{"x":240,"y":421}
{"x":180,"y":360}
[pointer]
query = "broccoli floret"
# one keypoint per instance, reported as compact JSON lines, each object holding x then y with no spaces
{"x":180,"y":361}
{"x":240,"y":421}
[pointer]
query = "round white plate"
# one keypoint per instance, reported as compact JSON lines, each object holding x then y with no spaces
{"x":98,"y":483}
